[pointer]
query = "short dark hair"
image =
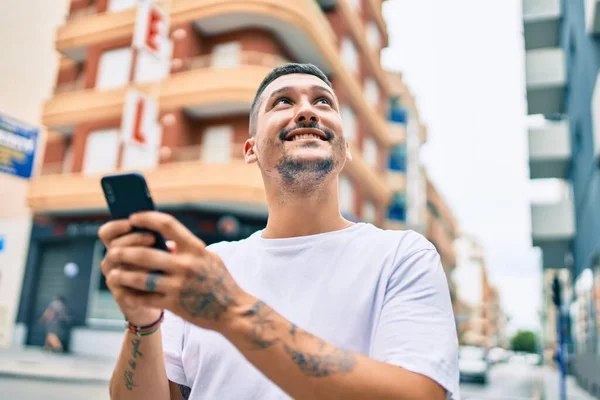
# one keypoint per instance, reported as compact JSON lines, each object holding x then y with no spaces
{"x":287,"y":69}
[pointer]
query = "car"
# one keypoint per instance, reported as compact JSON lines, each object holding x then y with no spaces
{"x":473,"y":364}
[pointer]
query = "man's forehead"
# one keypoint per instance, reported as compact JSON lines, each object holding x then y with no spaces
{"x":295,"y":81}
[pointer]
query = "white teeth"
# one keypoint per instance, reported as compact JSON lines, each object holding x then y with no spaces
{"x":306,"y":136}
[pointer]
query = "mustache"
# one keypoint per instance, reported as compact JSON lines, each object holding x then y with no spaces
{"x":312,"y":125}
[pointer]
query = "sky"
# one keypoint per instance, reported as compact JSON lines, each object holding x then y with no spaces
{"x":464,"y":61}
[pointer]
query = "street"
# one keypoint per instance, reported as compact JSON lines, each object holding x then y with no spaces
{"x":512,"y":381}
{"x":506,"y":382}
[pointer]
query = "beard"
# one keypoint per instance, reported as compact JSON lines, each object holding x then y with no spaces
{"x":299,"y":172}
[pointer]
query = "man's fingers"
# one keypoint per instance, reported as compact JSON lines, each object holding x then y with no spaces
{"x":134,"y":239}
{"x":170,"y":228}
{"x":149,"y":259}
{"x":140,"y":280}
{"x":113,"y":229}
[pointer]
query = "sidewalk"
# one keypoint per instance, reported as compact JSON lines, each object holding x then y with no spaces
{"x":34,"y":363}
{"x":550,"y":387}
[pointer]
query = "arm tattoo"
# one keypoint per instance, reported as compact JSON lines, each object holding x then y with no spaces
{"x":205,"y":296}
{"x":327,"y":361}
{"x":132,"y":362}
{"x":263,"y":325}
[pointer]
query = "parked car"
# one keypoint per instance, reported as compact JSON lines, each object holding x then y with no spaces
{"x":473,"y":364}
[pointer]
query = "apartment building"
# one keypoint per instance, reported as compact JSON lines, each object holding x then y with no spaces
{"x":562,"y":64}
{"x":189,"y":89}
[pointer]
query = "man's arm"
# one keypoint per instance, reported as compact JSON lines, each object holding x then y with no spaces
{"x":140,"y":371}
{"x":307,"y":367}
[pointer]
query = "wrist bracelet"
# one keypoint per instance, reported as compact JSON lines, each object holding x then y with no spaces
{"x":147,"y":329}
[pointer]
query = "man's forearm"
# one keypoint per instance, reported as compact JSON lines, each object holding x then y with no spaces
{"x":140,"y":370}
{"x":307,"y":367}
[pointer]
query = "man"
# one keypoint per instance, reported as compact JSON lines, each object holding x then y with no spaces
{"x":312,"y":307}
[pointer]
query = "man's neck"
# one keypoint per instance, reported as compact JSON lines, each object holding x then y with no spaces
{"x":293,"y":216}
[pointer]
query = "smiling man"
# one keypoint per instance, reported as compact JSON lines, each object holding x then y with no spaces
{"x":312,"y":307}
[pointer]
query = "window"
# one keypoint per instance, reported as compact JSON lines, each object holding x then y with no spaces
{"x":119,"y":5}
{"x":371,"y":92}
{"x":397,"y":210}
{"x":398,"y":158}
{"x":370,"y":152}
{"x":373,"y":36}
{"x":348,"y":122}
{"x":101,"y":150}
{"x":226,"y":55}
{"x":346,"y":196}
{"x":114,"y":68}
{"x":216,"y":144}
{"x":350,"y":55}
{"x":369,"y":212}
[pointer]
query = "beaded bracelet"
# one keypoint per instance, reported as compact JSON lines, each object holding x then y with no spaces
{"x":146,"y":330}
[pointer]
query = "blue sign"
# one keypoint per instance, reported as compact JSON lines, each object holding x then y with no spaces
{"x":18,"y":142}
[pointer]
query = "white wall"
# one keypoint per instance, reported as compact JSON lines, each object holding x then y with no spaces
{"x":27,"y":77}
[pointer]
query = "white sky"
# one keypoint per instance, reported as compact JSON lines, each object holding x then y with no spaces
{"x":464,"y":60}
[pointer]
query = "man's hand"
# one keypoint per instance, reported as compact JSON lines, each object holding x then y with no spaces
{"x":191,"y":282}
{"x":118,"y":234}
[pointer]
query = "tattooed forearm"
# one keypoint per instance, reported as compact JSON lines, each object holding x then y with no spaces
{"x":325,"y":361}
{"x":206,"y":296}
{"x":129,"y":373}
{"x":263,"y":333}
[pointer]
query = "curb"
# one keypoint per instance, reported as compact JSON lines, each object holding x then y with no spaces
{"x":52,"y":378}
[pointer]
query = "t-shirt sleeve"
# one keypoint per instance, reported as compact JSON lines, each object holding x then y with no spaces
{"x":416,"y":329}
{"x":172,"y":331}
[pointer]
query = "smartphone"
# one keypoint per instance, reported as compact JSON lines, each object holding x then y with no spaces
{"x":128,"y":194}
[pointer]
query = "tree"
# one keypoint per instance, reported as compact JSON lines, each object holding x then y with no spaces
{"x":525,"y":341}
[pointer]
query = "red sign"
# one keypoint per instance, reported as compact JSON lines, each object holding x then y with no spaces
{"x":151,"y":28}
{"x":139,"y":119}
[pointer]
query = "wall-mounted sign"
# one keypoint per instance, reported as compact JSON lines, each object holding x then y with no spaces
{"x":18,"y":143}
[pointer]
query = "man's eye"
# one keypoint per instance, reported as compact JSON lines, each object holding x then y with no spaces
{"x":324,"y":100}
{"x":283,"y":100}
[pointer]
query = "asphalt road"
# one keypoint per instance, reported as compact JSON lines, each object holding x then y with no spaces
{"x":506,"y":382}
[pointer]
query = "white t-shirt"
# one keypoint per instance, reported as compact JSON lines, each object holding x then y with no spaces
{"x":380,"y":293}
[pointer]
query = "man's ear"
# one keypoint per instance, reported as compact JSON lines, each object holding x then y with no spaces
{"x":250,"y":151}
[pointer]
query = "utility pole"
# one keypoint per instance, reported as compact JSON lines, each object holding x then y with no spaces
{"x":561,"y":348}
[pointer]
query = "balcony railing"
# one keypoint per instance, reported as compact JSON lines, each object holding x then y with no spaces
{"x":254,"y":58}
{"x":550,"y":150}
{"x":546,"y":79}
{"x":71,"y":86}
{"x":541,"y":20}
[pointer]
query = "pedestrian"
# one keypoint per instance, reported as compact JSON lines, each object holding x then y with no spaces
{"x":55,"y":321}
{"x":314,"y":306}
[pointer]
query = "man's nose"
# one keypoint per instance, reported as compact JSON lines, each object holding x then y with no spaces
{"x":306,"y":114}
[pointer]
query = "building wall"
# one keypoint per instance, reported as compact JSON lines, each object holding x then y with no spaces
{"x":583,"y":63}
{"x":27,"y":74}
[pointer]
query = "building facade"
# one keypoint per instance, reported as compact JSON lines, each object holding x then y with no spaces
{"x":562,"y":65}
{"x":26,"y":79}
{"x":175,"y":107}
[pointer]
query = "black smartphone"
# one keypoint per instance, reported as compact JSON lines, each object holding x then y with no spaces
{"x":128,"y":194}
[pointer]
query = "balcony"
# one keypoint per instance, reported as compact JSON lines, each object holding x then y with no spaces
{"x":184,"y":179}
{"x":553,"y":229}
{"x":553,"y":222}
{"x":541,"y":21}
{"x":300,"y":24}
{"x":592,"y":16}
{"x":199,"y":88}
{"x":550,"y":150}
{"x":546,"y":79}
{"x":173,"y":183}
{"x":444,"y":243}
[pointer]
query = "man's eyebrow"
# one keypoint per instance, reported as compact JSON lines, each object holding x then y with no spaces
{"x":323,"y":89}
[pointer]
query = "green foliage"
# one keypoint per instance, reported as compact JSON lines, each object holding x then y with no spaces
{"x":525,"y":341}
